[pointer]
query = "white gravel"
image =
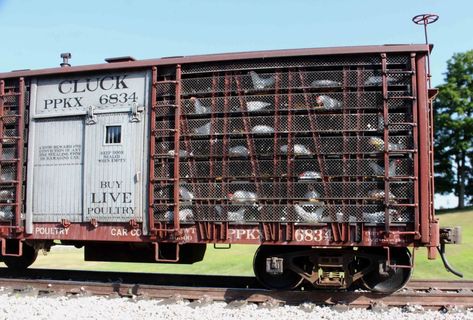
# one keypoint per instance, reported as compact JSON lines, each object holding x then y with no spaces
{"x":22,"y":306}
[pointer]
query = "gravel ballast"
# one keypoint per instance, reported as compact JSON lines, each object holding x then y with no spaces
{"x":22,"y":306}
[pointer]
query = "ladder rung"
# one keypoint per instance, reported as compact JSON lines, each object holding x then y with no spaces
{"x":10,"y":94}
{"x":390,"y":71}
{"x":164,"y":179}
{"x":402,"y":97}
{"x":163,"y":156}
{"x":156,"y":132}
{"x":165,"y":105}
{"x":401,"y":178}
{"x":166,"y":82}
{"x":402,"y":124}
{"x":169,"y":204}
{"x":9,"y":161}
{"x":9,"y":204}
{"x":402,"y":151}
{"x":8,"y":181}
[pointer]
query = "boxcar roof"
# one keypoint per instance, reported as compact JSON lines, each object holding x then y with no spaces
{"x":222,"y":57}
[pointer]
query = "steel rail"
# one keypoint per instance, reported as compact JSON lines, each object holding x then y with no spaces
{"x":432,"y":294}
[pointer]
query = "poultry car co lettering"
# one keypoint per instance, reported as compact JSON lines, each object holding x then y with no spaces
{"x":44,"y":231}
{"x":71,"y":93}
{"x":120,"y":232}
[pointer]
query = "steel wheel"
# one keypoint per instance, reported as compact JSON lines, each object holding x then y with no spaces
{"x":286,"y":281}
{"x":21,"y":263}
{"x":394,"y":279}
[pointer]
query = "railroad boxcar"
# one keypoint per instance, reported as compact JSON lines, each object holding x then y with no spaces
{"x":322,"y":157}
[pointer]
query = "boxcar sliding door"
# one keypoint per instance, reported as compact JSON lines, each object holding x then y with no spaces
{"x":113,"y":168}
{"x":87,"y":149}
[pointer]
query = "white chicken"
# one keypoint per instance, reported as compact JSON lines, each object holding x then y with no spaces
{"x":256,"y":105}
{"x":378,"y":80}
{"x":328,"y":103}
{"x":312,"y":195}
{"x":259,"y":82}
{"x":237,"y":216}
{"x":379,"y":170}
{"x":199,"y":108}
{"x":239,"y":151}
{"x":310,"y":175}
{"x":242,"y":196}
{"x":6,"y":213}
{"x":262,"y":129}
{"x":373,"y":217}
{"x":378,"y":144}
{"x":378,"y":217}
{"x":299,"y":150}
{"x":325,"y":83}
{"x":8,"y":154}
{"x":309,"y":213}
{"x":182,"y":153}
{"x":185,"y":194}
{"x":7,"y":176}
{"x":184,"y":215}
{"x":6,"y":195}
{"x":205,"y":129}
{"x":378,"y":194}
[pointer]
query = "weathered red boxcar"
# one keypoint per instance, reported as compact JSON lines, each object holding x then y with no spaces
{"x":321,"y":156}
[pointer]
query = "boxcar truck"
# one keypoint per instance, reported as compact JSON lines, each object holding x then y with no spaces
{"x":321,"y":157}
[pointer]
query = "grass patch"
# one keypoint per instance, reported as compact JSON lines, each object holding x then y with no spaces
{"x":238,"y":260}
{"x":454,"y":210}
{"x":459,"y":256}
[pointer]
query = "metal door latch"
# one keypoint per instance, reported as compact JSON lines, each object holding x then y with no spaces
{"x":136,"y":111}
{"x":91,"y":118}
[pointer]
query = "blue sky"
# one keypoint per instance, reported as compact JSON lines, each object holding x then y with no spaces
{"x":34,"y":33}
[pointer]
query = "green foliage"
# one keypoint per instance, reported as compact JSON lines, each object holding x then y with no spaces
{"x":459,"y":255}
{"x":453,"y":111}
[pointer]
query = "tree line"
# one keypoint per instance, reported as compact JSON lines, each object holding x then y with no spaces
{"x":453,"y":130}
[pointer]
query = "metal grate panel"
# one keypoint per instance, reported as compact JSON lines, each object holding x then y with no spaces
{"x":296,"y":102}
{"x":297,"y":139}
{"x":299,"y":213}
{"x":312,"y":61}
{"x":253,"y":82}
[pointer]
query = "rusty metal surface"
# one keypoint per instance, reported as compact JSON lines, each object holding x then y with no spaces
{"x":321,"y":235}
{"x":141,"y":64}
{"x":12,"y":110}
{"x":344,"y":156}
{"x":424,"y":149}
{"x":261,"y":147}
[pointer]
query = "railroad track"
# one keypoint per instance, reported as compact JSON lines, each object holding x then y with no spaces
{"x":235,"y":290}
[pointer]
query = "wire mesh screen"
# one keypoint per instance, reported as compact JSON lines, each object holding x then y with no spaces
{"x":9,"y":135}
{"x":300,"y":139}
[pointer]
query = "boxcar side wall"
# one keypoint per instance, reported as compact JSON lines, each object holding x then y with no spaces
{"x":329,"y":150}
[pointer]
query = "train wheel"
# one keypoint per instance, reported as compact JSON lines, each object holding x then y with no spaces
{"x":21,"y":263}
{"x":394,"y":278}
{"x":288,"y":280}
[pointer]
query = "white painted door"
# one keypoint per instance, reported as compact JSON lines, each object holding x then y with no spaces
{"x":113,"y":167}
{"x":56,"y":171}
